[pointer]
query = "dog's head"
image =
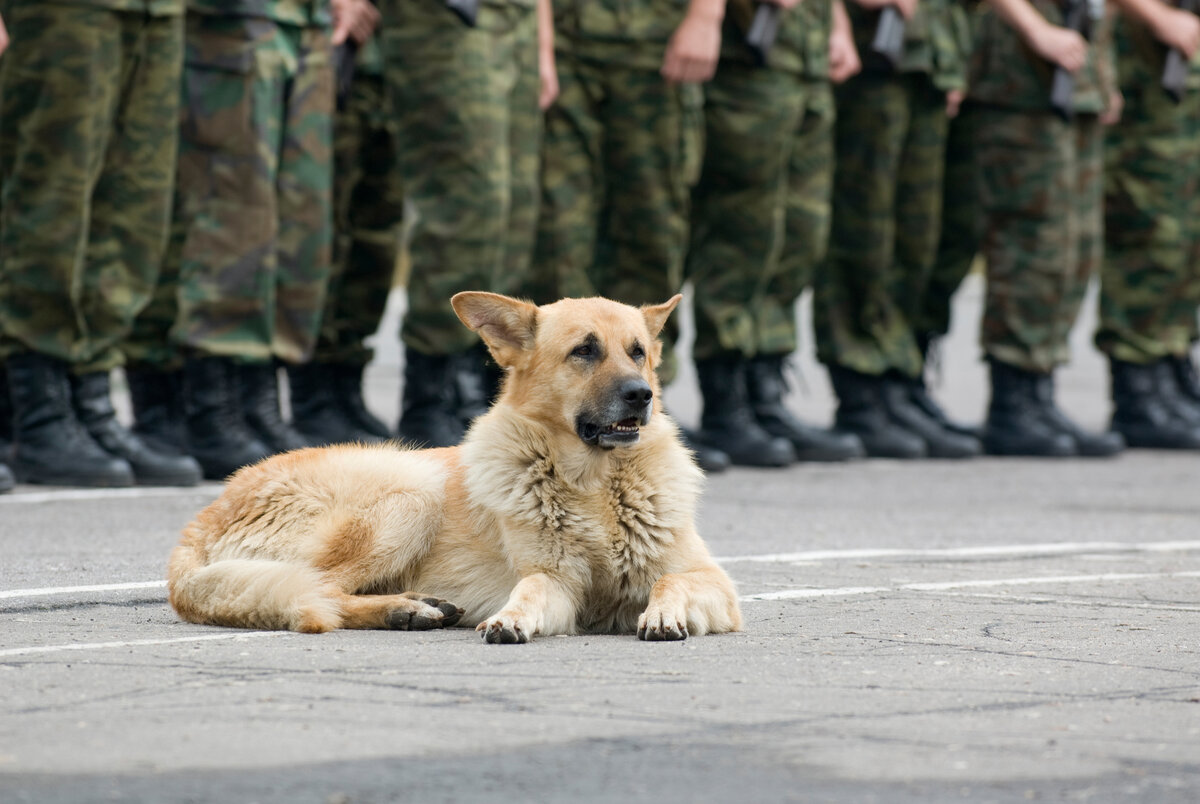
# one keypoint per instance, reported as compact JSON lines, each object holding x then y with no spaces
{"x":583,"y":364}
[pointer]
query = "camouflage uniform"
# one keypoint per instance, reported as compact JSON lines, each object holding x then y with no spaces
{"x":468,"y":124}
{"x":1040,"y":192}
{"x":253,"y":204}
{"x":620,"y":155}
{"x":890,"y":146}
{"x":1150,"y":280}
{"x":368,"y":207}
{"x":87,"y":167}
{"x":760,"y":215}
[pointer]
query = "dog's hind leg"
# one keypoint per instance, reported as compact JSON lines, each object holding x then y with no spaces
{"x":406,"y":612}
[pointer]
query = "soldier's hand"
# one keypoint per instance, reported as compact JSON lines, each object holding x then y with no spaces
{"x":954,"y":99}
{"x":1178,"y":29}
{"x":693,"y":49}
{"x":548,"y":75}
{"x":353,"y":19}
{"x":1112,"y":112}
{"x":844,"y":61}
{"x":3,"y":36}
{"x":1059,"y":45}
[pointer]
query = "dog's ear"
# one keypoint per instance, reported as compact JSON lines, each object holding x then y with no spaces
{"x":656,"y":316}
{"x":506,"y":325}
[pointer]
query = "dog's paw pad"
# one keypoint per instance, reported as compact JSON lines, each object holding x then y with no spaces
{"x":398,"y":619}
{"x":499,"y":634}
{"x":420,"y":622}
{"x":451,"y":613}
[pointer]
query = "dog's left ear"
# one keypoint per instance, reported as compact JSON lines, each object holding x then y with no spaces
{"x":506,"y":325}
{"x":656,"y":316}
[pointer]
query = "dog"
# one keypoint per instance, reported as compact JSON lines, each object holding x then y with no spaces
{"x":569,"y":507}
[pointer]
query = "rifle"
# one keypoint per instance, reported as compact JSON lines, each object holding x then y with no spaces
{"x":889,"y":36}
{"x":1062,"y":91}
{"x":761,"y":34}
{"x":1174,"y":74}
{"x":466,"y":10}
{"x":344,"y":56}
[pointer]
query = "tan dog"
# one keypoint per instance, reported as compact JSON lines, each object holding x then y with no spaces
{"x":568,"y":508}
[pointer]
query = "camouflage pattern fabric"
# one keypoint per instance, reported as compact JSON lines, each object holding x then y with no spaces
{"x":935,"y":42}
{"x":368,"y":209}
{"x":887,"y":203}
{"x":1041,"y":191}
{"x":961,"y":229}
{"x":801,"y":43}
{"x":87,"y":153}
{"x":468,"y":133}
{"x":300,"y":13}
{"x":1150,"y":279}
{"x":254,"y":188}
{"x":762,"y":162}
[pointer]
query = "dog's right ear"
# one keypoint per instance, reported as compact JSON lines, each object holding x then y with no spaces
{"x":506,"y":325}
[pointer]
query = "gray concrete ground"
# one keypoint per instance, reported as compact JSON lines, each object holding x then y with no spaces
{"x":999,"y":630}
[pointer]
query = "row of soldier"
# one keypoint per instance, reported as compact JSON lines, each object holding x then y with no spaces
{"x":208,"y":237}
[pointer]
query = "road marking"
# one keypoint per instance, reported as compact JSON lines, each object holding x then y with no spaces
{"x":72,"y":590}
{"x":850,"y":591}
{"x":87,"y":495}
{"x":75,"y":646}
{"x":988,"y":551}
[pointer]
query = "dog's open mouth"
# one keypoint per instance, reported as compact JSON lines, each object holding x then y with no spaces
{"x":618,"y":434}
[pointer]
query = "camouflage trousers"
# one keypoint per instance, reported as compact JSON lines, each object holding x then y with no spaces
{"x":1040,"y":194}
{"x":961,"y":230}
{"x":368,"y":209}
{"x":1150,"y":277}
{"x":87,"y":159}
{"x":468,"y":128}
{"x":760,"y":212}
{"x":253,"y":211}
{"x":621,"y":154}
{"x":890,"y":141}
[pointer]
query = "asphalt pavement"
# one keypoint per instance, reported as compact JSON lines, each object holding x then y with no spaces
{"x":992,"y":630}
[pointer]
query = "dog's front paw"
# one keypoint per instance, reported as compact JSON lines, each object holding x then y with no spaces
{"x":423,"y":614}
{"x":658,"y":625}
{"x":504,"y":629}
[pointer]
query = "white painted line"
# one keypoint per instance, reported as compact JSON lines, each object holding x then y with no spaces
{"x":87,"y":495}
{"x":987,"y":551}
{"x":850,"y":591}
{"x":72,"y":590}
{"x":135,"y":643}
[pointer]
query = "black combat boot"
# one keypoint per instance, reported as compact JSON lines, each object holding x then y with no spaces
{"x":861,"y":411}
{"x":258,"y":386}
{"x":940,"y":442}
{"x":1139,"y":414}
{"x":217,"y":434}
{"x":1087,"y":444}
{"x":1186,"y":377}
{"x":1172,"y":388}
{"x":767,"y":388}
{"x":429,"y":408}
{"x":710,"y":459}
{"x":52,"y":446}
{"x":91,"y":395}
{"x":1015,"y":423}
{"x":7,"y":480}
{"x":328,"y":407}
{"x":728,"y":423}
{"x":157,"y":398}
{"x":474,"y":387}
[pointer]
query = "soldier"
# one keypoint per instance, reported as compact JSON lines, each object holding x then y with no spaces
{"x":90,"y":93}
{"x":327,"y":392}
{"x":1040,"y":195}
{"x":621,"y":152}
{"x":7,"y":480}
{"x":254,"y":206}
{"x":768,"y":143}
{"x":1150,"y":279}
{"x":466,"y":97}
{"x":890,"y":146}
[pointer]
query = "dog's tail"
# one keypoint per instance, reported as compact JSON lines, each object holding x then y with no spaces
{"x":250,"y":593}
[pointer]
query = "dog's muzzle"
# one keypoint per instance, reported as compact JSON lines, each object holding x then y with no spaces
{"x":619,"y":423}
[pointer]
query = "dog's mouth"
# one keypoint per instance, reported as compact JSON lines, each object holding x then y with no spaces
{"x":617,"y":434}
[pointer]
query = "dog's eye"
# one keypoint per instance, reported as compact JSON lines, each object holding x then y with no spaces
{"x":584,"y":350}
{"x":637,"y":352}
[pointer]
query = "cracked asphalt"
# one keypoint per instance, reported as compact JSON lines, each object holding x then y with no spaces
{"x":999,"y":630}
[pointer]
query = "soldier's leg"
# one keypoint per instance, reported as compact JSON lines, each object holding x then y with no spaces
{"x":806,"y":236}
{"x":60,"y":84}
{"x":857,"y":323}
{"x":230,"y":137}
{"x":736,"y":234}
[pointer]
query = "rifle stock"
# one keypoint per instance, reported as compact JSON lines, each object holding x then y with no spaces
{"x":467,"y":10}
{"x":1062,"y":90}
{"x":344,"y":56}
{"x":889,"y":36}
{"x":1174,"y":75}
{"x":761,"y":34}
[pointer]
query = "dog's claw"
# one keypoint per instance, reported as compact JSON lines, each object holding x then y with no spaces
{"x":497,"y":634}
{"x":662,"y":633}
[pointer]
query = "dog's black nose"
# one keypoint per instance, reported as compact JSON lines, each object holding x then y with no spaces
{"x":636,"y":393}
